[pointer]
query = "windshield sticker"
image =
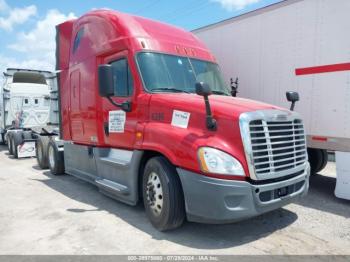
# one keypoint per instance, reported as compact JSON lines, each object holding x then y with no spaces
{"x":180,"y":119}
{"x":116,"y":121}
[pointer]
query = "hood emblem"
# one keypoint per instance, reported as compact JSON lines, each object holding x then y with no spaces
{"x":281,"y":117}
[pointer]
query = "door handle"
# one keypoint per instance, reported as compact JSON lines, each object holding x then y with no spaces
{"x":106,"y":128}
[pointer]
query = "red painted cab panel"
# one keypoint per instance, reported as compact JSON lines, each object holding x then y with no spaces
{"x":101,"y":37}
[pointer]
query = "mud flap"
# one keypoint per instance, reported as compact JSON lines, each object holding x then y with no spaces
{"x":26,"y":149}
{"x":342,"y":189}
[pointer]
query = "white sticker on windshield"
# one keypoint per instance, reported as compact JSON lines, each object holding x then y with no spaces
{"x":180,"y":119}
{"x":116,"y":121}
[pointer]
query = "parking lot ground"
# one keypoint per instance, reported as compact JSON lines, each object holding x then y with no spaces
{"x":44,"y":214}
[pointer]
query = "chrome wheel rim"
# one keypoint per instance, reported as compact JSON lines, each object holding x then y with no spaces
{"x":154,"y":194}
{"x":51,"y":157}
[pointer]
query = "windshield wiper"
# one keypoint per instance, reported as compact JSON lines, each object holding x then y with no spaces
{"x":171,"y":89}
{"x":219,"y":93}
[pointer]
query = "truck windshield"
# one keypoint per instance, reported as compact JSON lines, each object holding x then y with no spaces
{"x":170,"y":73}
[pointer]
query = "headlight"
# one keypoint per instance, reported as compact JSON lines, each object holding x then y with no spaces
{"x":215,"y":161}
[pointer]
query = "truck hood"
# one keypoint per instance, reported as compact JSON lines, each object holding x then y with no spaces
{"x":185,"y":131}
{"x":222,"y":106}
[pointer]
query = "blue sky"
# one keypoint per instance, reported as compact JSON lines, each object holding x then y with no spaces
{"x":27,"y":28}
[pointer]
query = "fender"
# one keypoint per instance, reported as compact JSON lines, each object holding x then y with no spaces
{"x":180,"y":146}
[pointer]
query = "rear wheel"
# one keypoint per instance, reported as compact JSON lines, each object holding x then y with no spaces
{"x":55,"y":159}
{"x":27,"y":135}
{"x":162,"y":194}
{"x":2,"y":139}
{"x":17,"y":139}
{"x":9,"y":143}
{"x":324,"y":159}
{"x":41,"y":151}
{"x":318,"y":159}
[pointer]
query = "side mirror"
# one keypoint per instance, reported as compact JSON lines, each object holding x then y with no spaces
{"x":105,"y":81}
{"x":106,"y":86}
{"x":203,"y":89}
{"x":292,"y":97}
{"x":234,"y":87}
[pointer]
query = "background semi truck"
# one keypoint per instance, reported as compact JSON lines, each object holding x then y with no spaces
{"x":145,"y":116}
{"x":300,"y":45}
{"x":28,"y":103}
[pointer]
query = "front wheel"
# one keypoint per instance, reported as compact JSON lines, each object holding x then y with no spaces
{"x":162,"y":194}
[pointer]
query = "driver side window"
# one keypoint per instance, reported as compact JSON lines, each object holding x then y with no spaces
{"x":122,"y":78}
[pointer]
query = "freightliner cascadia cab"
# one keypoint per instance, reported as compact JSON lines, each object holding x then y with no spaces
{"x":28,"y":103}
{"x":146,"y":116}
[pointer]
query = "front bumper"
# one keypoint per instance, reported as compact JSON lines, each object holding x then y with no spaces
{"x":210,"y":200}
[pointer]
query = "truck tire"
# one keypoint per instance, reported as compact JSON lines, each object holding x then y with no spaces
{"x":27,"y":135}
{"x":324,"y":159}
{"x":318,"y":159}
{"x":162,"y":194}
{"x":9,"y":143}
{"x":55,"y":159}
{"x":17,"y":139}
{"x":41,"y":151}
{"x":3,"y":142}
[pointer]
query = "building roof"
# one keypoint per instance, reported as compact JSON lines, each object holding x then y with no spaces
{"x":248,"y":14}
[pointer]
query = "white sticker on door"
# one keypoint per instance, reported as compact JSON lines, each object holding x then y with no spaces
{"x":180,"y":119}
{"x":116,"y":121}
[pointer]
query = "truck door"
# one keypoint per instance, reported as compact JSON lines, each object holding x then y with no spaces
{"x":119,"y":126}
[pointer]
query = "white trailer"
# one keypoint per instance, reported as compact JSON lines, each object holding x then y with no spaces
{"x":28,"y":105}
{"x":294,"y":45}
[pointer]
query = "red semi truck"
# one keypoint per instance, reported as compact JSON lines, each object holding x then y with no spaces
{"x":145,"y":115}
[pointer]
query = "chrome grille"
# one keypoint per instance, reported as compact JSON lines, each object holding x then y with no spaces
{"x":277,"y":146}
